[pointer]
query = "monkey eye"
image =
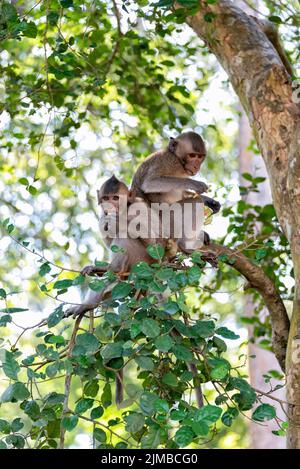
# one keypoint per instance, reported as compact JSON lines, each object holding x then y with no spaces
{"x":194,"y":155}
{"x":116,"y":197}
{"x":105,"y":198}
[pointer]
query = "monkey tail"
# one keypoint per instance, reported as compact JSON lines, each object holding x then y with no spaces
{"x":198,"y":390}
{"x":119,"y":387}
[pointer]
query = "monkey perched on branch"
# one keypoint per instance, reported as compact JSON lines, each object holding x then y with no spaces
{"x":115,"y":201}
{"x":164,"y":175}
{"x":113,"y":198}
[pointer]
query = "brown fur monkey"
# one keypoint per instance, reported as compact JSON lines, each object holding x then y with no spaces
{"x":113,"y":198}
{"x":164,"y":175}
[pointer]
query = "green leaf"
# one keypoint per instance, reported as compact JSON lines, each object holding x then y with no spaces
{"x":264,"y":412}
{"x":275,"y":19}
{"x":2,"y":293}
{"x":106,"y":396}
{"x":164,"y":343}
{"x":208,"y":414}
{"x":91,"y":388}
{"x":29,"y":30}
{"x":229,"y":416}
{"x":99,"y":435}
{"x":134,"y":422}
{"x":24,"y":181}
{"x":170,"y":379}
{"x":209,"y":17}
{"x":142,"y":270}
{"x":89,"y":342}
{"x":83,"y":405}
{"x":204,"y":328}
{"x":13,"y":310}
{"x":15,"y":392}
{"x":10,"y":366}
{"x":156,"y":251}
{"x":69,"y":422}
{"x":97,"y":285}
{"x":4,"y":426}
{"x":220,"y":368}
{"x":188,"y":3}
{"x":184,"y":436}
{"x":52,"y":370}
{"x":32,"y":410}
{"x":4,"y":320}
{"x":200,"y":428}
{"x":227,"y":333}
{"x":66,"y":3}
{"x":194,"y":274}
{"x":44,"y":269}
{"x":16,"y":425}
{"x":150,"y":328}
{"x":97,"y":412}
{"x":147,"y":402}
{"x":55,"y":317}
{"x":110,"y":351}
{"x":62,"y":284}
{"x":164,"y":3}
{"x":145,"y":362}
{"x":121,"y":290}
{"x":182,"y":353}
{"x":153,"y":438}
{"x":170,"y":307}
{"x":161,"y":406}
{"x":32,"y":190}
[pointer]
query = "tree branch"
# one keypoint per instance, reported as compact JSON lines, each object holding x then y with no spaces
{"x":264,"y":87}
{"x":258,"y":280}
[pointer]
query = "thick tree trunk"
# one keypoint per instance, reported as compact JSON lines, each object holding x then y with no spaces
{"x":293,"y":366}
{"x":261,"y":436}
{"x":263,"y":85}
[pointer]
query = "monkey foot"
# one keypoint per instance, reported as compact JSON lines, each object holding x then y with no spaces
{"x":211,"y":258}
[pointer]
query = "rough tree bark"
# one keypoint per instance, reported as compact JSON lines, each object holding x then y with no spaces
{"x":263,"y":85}
{"x":261,"y":436}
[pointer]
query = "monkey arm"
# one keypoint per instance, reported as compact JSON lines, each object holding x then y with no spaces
{"x":168,"y":183}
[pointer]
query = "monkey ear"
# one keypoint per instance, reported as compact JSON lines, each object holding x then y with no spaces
{"x":172,"y":144}
{"x":131,"y":195}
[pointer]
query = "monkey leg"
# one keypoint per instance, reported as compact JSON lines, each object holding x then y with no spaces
{"x":119,"y":387}
{"x":198,"y":390}
{"x":192,"y":367}
{"x":79,"y":310}
{"x":93,"y":269}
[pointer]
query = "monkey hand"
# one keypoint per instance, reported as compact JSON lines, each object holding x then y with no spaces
{"x":200,"y":187}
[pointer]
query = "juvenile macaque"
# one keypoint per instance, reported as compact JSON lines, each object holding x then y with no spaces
{"x":164,"y":175}
{"x":113,"y":198}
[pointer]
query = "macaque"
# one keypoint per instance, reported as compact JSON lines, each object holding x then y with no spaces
{"x":164,"y":175}
{"x":115,"y":201}
{"x":113,"y":198}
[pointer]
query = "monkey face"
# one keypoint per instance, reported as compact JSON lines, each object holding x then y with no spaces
{"x":190,"y":151}
{"x":193,"y":162}
{"x":113,"y":204}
